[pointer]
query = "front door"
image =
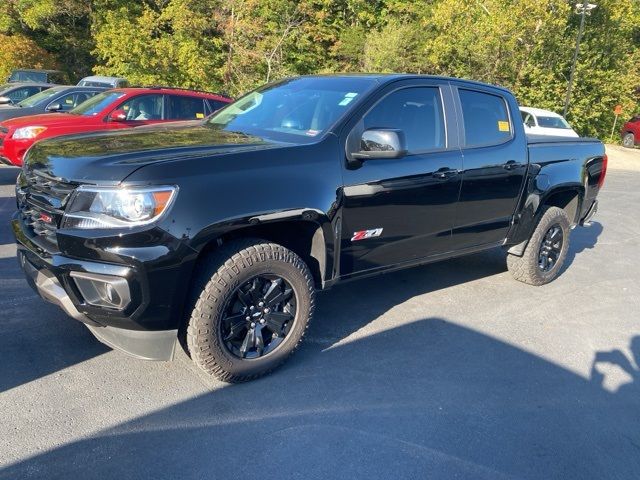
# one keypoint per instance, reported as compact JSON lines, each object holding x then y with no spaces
{"x":401,"y":210}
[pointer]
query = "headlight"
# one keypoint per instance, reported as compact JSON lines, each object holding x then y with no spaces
{"x":28,"y":132}
{"x":93,"y":207}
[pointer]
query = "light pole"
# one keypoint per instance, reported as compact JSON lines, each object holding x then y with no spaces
{"x":583,"y":9}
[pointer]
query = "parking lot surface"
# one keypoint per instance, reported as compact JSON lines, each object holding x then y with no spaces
{"x":451,"y":370}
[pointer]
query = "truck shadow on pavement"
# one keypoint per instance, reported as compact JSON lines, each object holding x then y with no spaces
{"x":429,"y":399}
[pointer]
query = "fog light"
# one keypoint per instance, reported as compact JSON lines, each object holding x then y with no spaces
{"x":103,"y":290}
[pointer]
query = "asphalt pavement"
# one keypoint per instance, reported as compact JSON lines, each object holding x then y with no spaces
{"x":451,"y":370}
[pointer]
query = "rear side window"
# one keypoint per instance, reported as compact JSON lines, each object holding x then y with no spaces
{"x":486,"y":118}
{"x":417,"y":111}
{"x":185,"y":108}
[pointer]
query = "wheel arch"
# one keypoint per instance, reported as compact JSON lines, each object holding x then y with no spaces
{"x":306,"y":232}
{"x":568,"y":197}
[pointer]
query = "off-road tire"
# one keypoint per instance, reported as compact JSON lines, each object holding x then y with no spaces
{"x":218,"y":276}
{"x":526,"y":268}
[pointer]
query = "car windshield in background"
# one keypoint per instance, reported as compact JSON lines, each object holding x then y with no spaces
{"x":553,"y":122}
{"x":298,"y":110}
{"x":39,"y":97}
{"x":96,"y":104}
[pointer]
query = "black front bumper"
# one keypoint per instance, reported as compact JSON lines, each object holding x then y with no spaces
{"x":50,"y":275}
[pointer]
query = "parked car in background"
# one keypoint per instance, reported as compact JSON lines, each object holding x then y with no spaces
{"x":43,"y":76}
{"x":222,"y":230}
{"x":99,"y":81}
{"x":55,"y":99}
{"x":545,"y":122}
{"x":631,"y":132}
{"x":12,"y":93}
{"x":110,"y":110}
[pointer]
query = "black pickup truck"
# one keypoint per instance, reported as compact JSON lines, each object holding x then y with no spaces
{"x":219,"y":232}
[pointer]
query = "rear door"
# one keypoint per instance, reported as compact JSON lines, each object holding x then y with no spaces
{"x":494,"y":156}
{"x":402,"y":210}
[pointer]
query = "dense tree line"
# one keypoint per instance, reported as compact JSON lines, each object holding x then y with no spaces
{"x":234,"y":45}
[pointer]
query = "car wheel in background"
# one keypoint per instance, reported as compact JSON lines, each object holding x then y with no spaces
{"x":628,"y":140}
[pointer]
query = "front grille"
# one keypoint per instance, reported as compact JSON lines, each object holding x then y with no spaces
{"x":41,"y":200}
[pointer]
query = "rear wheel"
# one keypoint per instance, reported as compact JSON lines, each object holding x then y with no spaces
{"x":628,"y":140}
{"x":546,"y":251}
{"x":255,"y":304}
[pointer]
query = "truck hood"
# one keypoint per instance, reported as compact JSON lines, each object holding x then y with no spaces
{"x":110,"y":157}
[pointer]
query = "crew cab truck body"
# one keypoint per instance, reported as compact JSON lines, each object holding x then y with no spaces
{"x":219,"y":233}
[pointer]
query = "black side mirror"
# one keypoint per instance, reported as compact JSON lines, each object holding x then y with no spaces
{"x":54,"y":107}
{"x":381,"y":143}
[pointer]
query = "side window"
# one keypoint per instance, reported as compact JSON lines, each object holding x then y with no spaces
{"x":72,"y":100}
{"x":185,"y":108}
{"x":144,"y":107}
{"x":67,"y":102}
{"x":417,"y":111}
{"x":22,"y":93}
{"x":528,"y":119}
{"x":486,"y":119}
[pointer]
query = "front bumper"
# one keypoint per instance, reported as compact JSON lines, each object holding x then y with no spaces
{"x":51,"y":277}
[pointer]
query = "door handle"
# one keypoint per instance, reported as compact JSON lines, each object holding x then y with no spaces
{"x":445,"y":173}
{"x":511,"y":165}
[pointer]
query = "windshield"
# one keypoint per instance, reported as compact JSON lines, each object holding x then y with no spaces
{"x":39,"y":97}
{"x":297,"y":110}
{"x":553,"y":122}
{"x":96,"y":104}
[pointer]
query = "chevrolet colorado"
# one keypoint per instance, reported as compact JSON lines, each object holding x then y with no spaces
{"x":219,"y":232}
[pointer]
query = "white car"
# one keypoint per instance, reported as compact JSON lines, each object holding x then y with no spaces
{"x":100,"y":81}
{"x":545,"y":122}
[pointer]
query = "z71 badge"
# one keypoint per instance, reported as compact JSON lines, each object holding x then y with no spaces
{"x":364,"y":234}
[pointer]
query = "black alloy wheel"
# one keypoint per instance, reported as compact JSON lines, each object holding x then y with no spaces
{"x":550,"y":249}
{"x":259,"y":315}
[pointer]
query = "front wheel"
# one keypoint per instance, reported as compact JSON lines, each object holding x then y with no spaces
{"x":628,"y":140}
{"x":255,"y":303}
{"x":546,"y":251}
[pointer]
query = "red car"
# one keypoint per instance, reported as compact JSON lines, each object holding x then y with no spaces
{"x":113,"y":109}
{"x":631,"y":132}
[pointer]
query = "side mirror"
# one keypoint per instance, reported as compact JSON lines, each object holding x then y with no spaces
{"x":5,"y":101}
{"x":118,"y":116}
{"x":379,"y":143}
{"x":54,"y":107}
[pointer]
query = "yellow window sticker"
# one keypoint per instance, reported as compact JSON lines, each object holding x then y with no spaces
{"x":199,"y":115}
{"x":503,"y":126}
